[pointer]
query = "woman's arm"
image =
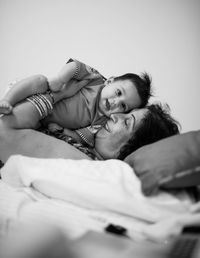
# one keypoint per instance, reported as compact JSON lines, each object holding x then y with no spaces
{"x":34,"y":144}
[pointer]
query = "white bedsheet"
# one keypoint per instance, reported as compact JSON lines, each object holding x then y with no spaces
{"x":81,"y":195}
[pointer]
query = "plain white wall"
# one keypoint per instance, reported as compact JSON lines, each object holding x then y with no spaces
{"x":161,"y":37}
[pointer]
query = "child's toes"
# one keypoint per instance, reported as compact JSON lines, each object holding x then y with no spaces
{"x":5,"y":108}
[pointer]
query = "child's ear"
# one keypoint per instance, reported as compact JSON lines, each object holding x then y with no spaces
{"x":109,"y":80}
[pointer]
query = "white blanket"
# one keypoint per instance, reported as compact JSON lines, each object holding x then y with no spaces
{"x":83,"y":194}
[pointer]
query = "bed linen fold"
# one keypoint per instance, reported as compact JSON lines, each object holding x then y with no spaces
{"x":82,"y":194}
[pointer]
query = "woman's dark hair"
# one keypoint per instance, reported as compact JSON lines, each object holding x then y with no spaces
{"x":142,"y":84}
{"x":156,"y":125}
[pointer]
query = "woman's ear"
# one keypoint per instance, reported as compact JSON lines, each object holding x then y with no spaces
{"x":109,"y":80}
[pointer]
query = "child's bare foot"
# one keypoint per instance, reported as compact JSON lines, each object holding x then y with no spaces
{"x":5,"y":107}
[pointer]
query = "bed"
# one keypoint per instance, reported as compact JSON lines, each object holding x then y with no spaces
{"x":78,"y":196}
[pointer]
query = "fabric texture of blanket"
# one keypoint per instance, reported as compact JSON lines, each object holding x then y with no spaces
{"x":80,"y":195}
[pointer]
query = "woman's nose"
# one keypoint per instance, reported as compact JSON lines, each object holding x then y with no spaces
{"x":114,"y":117}
{"x":117,"y":117}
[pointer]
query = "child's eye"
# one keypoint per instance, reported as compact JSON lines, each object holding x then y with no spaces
{"x":118,"y":92}
{"x":123,"y":106}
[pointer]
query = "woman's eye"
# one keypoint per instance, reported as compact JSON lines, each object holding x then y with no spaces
{"x":118,"y":92}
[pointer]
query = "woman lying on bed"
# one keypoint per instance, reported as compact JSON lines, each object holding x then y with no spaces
{"x":122,"y":134}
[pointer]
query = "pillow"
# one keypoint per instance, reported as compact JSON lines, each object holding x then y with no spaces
{"x":166,"y":157}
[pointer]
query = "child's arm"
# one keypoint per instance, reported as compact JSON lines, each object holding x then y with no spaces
{"x":21,"y":90}
{"x":63,"y":77}
{"x":72,"y":87}
{"x":73,"y":76}
{"x":39,"y":84}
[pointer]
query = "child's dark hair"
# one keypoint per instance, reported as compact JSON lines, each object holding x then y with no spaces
{"x":156,"y":125}
{"x":142,"y":84}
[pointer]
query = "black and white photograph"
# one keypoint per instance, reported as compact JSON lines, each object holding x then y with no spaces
{"x":99,"y":128}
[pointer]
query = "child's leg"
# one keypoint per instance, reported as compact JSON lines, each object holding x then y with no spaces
{"x":23,"y":116}
{"x":27,"y":114}
{"x":21,"y":90}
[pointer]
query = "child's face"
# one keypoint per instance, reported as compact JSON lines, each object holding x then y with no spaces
{"x":118,"y":97}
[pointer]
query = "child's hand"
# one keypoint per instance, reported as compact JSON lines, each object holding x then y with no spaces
{"x":92,"y":76}
{"x":53,"y":127}
{"x":72,"y":87}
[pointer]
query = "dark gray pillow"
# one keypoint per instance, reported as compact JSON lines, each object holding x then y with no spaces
{"x":166,"y":157}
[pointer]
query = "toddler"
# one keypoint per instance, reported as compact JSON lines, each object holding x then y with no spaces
{"x":79,"y":98}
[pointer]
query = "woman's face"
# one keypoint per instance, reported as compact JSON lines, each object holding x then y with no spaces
{"x":117,"y":132}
